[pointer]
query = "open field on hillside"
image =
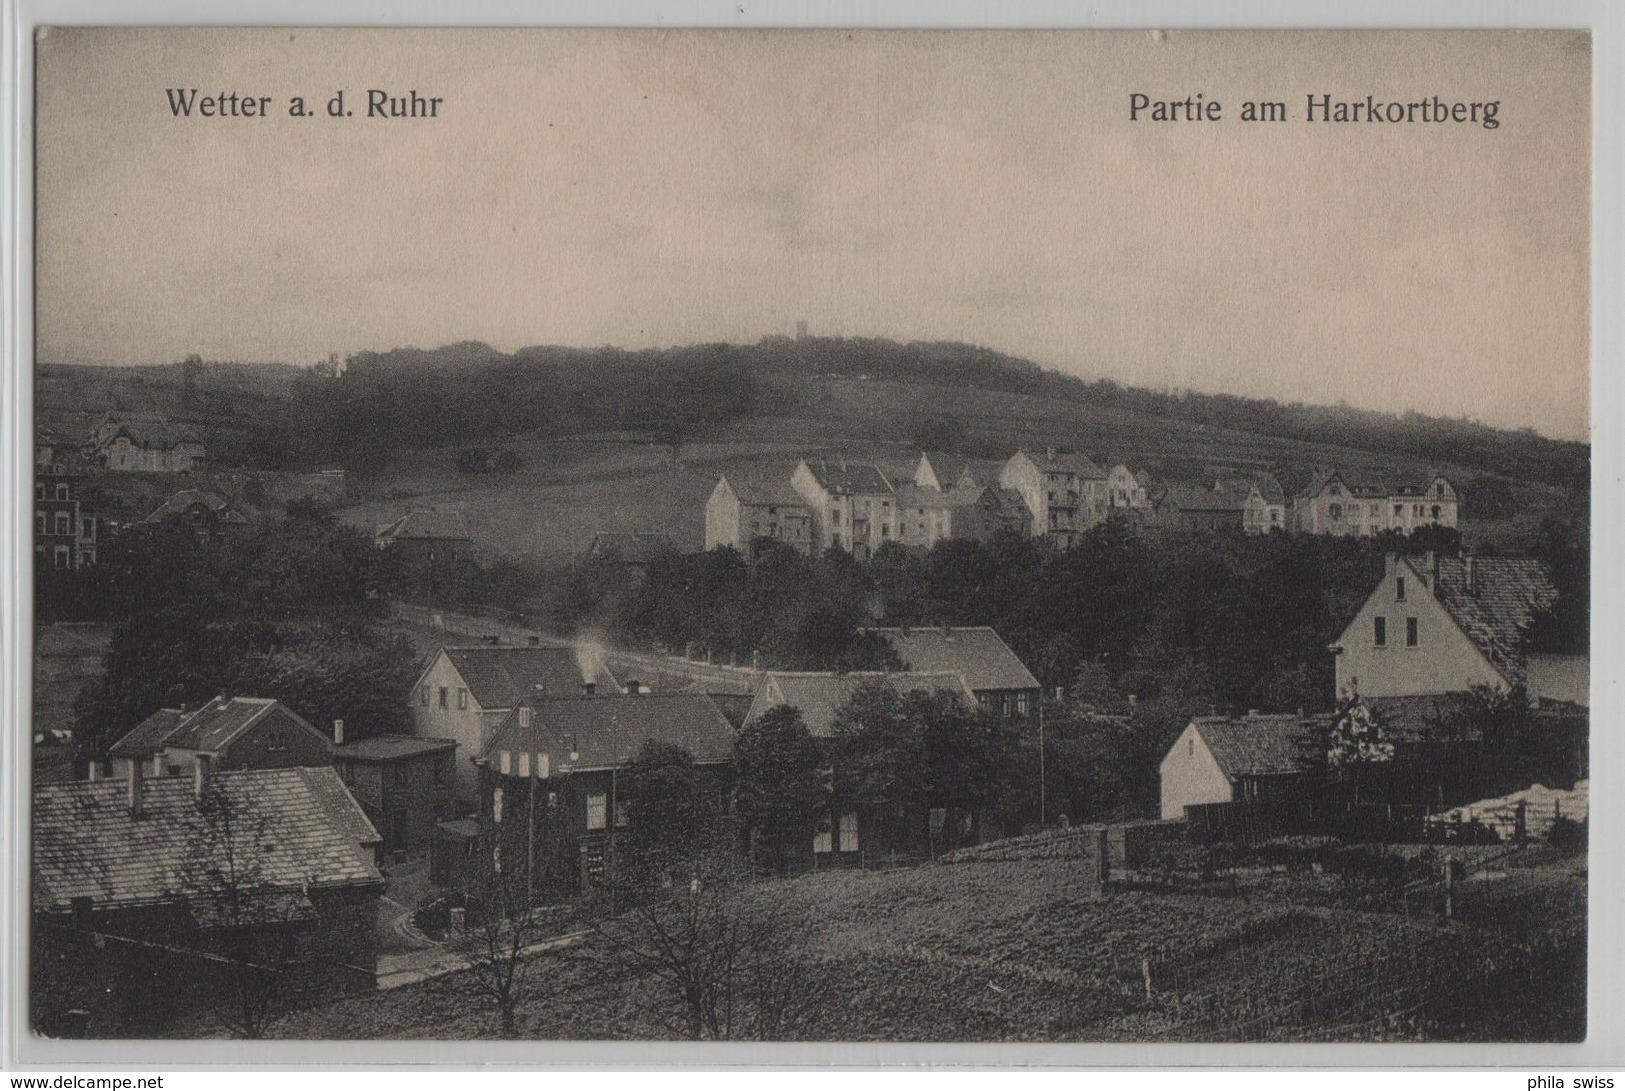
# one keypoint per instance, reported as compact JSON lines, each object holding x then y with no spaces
{"x":1014,"y":951}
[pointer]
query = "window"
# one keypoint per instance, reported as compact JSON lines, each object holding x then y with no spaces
{"x":1399,"y":589}
{"x":1021,"y":704}
{"x":849,"y":832}
{"x":1438,"y":490}
{"x":1436,"y":511}
{"x":64,"y":523}
{"x":1336,"y":512}
{"x":824,"y":839}
{"x":276,"y":739}
{"x":445,"y":696}
{"x":505,"y":762}
{"x":1190,"y":747}
{"x":462,"y":697}
{"x":1399,"y":509}
{"x":61,"y":492}
{"x":1379,"y":632}
{"x":1411,"y":635}
{"x":524,"y":715}
{"x":39,"y":522}
{"x":59,"y":558}
{"x":597,"y":810}
{"x":524,"y":762}
{"x":621,"y":813}
{"x":39,"y":491}
{"x":496,"y":804}
{"x":424,"y":696}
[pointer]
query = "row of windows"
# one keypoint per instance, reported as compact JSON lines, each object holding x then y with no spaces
{"x":61,"y":523}
{"x":61,"y":491}
{"x":824,"y":840}
{"x":1418,"y":511}
{"x":1379,"y":632}
{"x":426,"y":694}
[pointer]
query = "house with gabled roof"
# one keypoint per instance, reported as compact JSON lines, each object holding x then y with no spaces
{"x":744,"y":511}
{"x":232,"y":732}
{"x":997,"y":677}
{"x":426,"y":535}
{"x":1350,"y":501}
{"x":553,"y":765}
{"x":1064,"y":491}
{"x":853,"y":504}
{"x":1194,"y":508}
{"x":1440,"y":624}
{"x":464,"y":694}
{"x":205,"y":512}
{"x":142,"y":442}
{"x":128,"y":899}
{"x":1262,"y":501}
{"x":1225,"y":759}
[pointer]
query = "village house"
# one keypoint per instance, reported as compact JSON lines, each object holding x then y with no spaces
{"x":742,"y":512}
{"x":1262,"y":500}
{"x":1192,"y":508}
{"x":853,"y":505}
{"x":1351,"y":502}
{"x":145,"y":443}
{"x":1065,"y":492}
{"x":957,"y":498}
{"x":402,"y":782}
{"x":998,"y":679}
{"x":426,"y":537}
{"x":1223,"y":759}
{"x":551,"y":771}
{"x":1126,"y":491}
{"x":134,"y":915}
{"x":1446,"y":624}
{"x":464,"y":694}
{"x":207,"y":514}
{"x":64,"y":525}
{"x":845,"y":831}
{"x":232,"y":732}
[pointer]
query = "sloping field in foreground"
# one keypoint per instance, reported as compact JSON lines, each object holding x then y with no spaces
{"x":1013,"y":951}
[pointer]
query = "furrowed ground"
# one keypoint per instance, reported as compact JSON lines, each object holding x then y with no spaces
{"x":1014,"y":950}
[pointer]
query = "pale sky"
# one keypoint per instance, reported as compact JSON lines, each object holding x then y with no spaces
{"x":651,"y":188}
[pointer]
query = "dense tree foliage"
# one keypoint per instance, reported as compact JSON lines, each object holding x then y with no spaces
{"x":779,"y":787}
{"x":287,"y":612}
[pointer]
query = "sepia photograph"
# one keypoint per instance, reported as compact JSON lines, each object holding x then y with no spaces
{"x":730,"y":535}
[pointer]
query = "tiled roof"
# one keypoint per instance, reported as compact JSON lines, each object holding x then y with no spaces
{"x":86,"y":844}
{"x":1195,"y":498}
{"x":185,"y":499}
{"x":981,"y":472}
{"x":947,"y":468}
{"x":913,"y":496}
{"x":1068,"y":462}
{"x":976,"y":653}
{"x":1357,"y":481}
{"x":1266,"y":484}
{"x":149,"y":735}
{"x":1257,"y":746}
{"x":501,"y":677}
{"x":850,"y":478}
{"x":819,"y":695}
{"x":144,"y":431}
{"x":1492,"y":599}
{"x":209,"y":729}
{"x":608,"y":732}
{"x":391,"y":747}
{"x":633,"y":547}
{"x":766,"y":492}
{"x":439,"y":525}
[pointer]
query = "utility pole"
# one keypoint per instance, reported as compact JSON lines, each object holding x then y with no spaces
{"x":1043,"y":800}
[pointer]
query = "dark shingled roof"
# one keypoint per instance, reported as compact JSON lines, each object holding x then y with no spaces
{"x":631,"y":546}
{"x":608,"y":732}
{"x":1257,"y":746}
{"x":439,"y":525}
{"x":819,"y":695}
{"x":1066,"y":462}
{"x":149,"y":735}
{"x":766,"y":492}
{"x":850,"y":478}
{"x":501,"y":677}
{"x":975,"y":652}
{"x":86,"y":844}
{"x":1493,"y":599}
{"x":183,"y":500}
{"x":209,"y":729}
{"x":391,"y":747}
{"x":144,"y":430}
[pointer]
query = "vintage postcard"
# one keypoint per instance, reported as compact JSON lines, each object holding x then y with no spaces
{"x":811,"y":536}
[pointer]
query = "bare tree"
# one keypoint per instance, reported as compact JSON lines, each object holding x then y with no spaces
{"x":246,"y":920}
{"x":504,"y":921}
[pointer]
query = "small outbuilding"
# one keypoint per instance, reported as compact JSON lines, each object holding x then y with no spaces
{"x":1223,"y":759}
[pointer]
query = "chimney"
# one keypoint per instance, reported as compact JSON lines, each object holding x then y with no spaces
{"x":634,"y":687}
{"x":95,"y":771}
{"x":756,"y":659}
{"x":1432,"y":561}
{"x":1471,"y":563}
{"x":589,"y":688}
{"x":134,"y":783}
{"x":200,"y":775}
{"x":338,"y":732}
{"x":1390,"y":563}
